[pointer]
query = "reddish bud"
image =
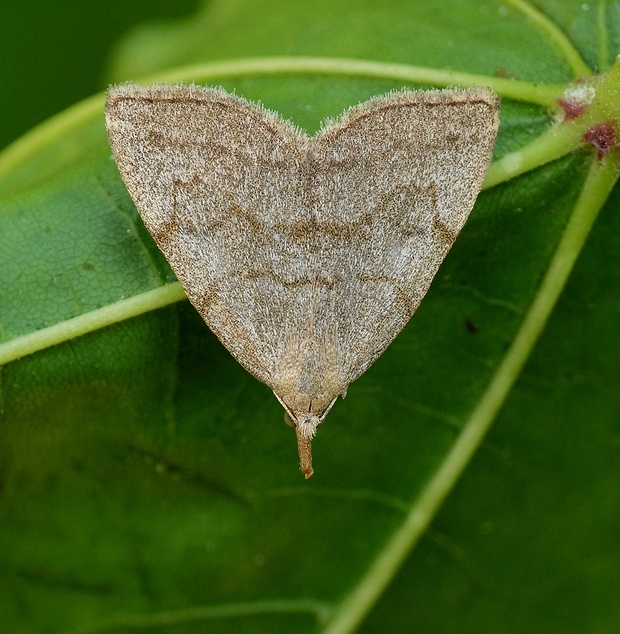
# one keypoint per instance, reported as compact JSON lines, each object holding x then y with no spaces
{"x":602,"y":136}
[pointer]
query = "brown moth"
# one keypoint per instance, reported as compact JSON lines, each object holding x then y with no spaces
{"x":306,"y":256}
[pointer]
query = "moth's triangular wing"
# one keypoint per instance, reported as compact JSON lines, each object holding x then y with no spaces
{"x":212,"y":176}
{"x":398,"y":176}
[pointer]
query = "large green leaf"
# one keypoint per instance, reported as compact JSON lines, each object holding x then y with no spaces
{"x":148,"y":482}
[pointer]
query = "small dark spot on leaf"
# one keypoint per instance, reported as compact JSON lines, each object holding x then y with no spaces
{"x":470,"y":327}
{"x":502,"y":71}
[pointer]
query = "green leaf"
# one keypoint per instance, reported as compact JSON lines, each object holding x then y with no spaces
{"x":468,"y":483}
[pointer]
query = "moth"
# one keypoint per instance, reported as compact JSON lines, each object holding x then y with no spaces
{"x":305,"y":255}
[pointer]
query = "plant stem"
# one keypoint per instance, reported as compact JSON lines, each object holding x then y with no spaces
{"x":355,"y":607}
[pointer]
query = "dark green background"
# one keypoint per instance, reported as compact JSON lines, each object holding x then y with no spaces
{"x":53,"y":53}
